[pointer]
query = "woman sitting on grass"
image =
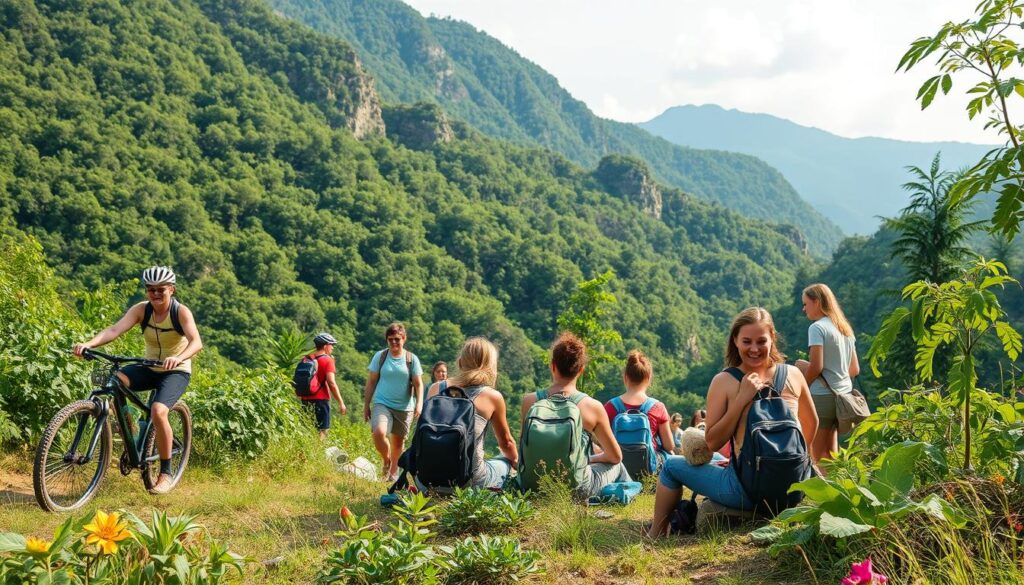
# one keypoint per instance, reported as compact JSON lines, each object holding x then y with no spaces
{"x":587,"y":472}
{"x":477,"y":374}
{"x":752,"y":349}
{"x":636,"y":377}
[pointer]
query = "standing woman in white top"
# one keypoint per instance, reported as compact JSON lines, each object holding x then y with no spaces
{"x":832,"y":366}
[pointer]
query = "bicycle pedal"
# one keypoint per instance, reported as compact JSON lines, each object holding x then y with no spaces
{"x":124,"y":465}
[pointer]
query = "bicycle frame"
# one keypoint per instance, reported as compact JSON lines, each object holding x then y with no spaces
{"x":121,"y":396}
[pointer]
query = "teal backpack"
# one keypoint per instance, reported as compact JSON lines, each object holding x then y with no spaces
{"x":553,"y":441}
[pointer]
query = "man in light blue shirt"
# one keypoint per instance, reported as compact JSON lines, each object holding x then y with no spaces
{"x":392,"y":397}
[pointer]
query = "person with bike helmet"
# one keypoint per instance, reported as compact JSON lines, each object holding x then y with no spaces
{"x":170,"y":335}
{"x":323,"y":386}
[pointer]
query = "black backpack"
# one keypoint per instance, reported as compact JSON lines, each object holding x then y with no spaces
{"x":175,"y":323}
{"x":442,"y":451}
{"x":683,"y":519}
{"x":305,"y":373}
{"x":774,"y":454}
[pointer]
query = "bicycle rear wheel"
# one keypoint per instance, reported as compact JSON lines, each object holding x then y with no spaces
{"x":180,"y":418}
{"x":61,"y":477}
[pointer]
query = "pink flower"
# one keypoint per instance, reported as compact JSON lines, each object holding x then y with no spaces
{"x":861,"y":574}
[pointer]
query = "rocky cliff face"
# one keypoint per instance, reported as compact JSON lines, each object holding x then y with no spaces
{"x":363,"y":115}
{"x":419,"y":126}
{"x":629,"y":178}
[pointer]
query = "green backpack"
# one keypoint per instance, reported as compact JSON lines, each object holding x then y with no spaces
{"x":553,"y":440}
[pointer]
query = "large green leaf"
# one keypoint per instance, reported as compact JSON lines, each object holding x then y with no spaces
{"x":9,"y":541}
{"x":896,"y":469}
{"x":817,"y":489}
{"x":840,"y":527}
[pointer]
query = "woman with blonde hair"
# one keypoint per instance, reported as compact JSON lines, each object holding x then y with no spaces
{"x":833,"y":363}
{"x":477,"y":367}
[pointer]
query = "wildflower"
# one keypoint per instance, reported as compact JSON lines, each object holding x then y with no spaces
{"x":37,"y":547}
{"x":1018,"y":526}
{"x":861,"y":574}
{"x":105,"y":532}
{"x":348,"y":518}
{"x":999,"y":479}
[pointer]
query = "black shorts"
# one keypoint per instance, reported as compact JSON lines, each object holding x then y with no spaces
{"x":322,"y":411}
{"x":168,"y":386}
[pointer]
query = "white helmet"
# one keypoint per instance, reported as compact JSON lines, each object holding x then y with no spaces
{"x":155,"y":275}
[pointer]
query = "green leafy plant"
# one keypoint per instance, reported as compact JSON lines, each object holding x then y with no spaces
{"x":958,"y":314}
{"x":104,"y":550}
{"x":869,"y":501}
{"x":476,"y":510}
{"x":497,"y":560}
{"x":400,"y":556}
{"x":285,"y":349}
{"x":985,"y":47}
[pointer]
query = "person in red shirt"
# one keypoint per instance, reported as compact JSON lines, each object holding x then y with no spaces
{"x":323,"y":384}
{"x":637,"y":378}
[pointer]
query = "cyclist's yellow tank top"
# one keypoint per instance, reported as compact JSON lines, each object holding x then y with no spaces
{"x":162,"y":341}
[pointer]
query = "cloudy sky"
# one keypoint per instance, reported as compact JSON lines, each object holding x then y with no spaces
{"x":823,"y":63}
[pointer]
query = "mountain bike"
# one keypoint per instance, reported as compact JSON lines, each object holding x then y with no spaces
{"x":74,"y":453}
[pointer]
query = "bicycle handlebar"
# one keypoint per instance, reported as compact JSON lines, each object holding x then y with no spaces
{"x":91,"y":354}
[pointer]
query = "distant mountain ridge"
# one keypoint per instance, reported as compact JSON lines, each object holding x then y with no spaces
{"x":849,"y":180}
{"x":477,"y":79}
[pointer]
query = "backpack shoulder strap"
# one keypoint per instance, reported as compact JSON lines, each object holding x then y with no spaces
{"x":442,"y":387}
{"x":175,"y":323}
{"x":380,"y":360}
{"x":618,"y":404}
{"x":735,"y":373}
{"x":781,"y":373}
{"x":648,"y":405}
{"x":541,"y":395}
{"x":577,"y":397}
{"x":147,"y":314}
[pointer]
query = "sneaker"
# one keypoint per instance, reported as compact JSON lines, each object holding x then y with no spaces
{"x":163,"y":485}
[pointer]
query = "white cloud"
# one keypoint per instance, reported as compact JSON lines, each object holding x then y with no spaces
{"x":823,"y":63}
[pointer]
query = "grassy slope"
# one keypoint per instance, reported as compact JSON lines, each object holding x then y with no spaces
{"x":287,"y":513}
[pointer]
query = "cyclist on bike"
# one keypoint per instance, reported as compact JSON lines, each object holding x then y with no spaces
{"x":170,"y":334}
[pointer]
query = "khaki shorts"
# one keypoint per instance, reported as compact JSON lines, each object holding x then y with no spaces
{"x":397,"y":422}
{"x":825,"y":405}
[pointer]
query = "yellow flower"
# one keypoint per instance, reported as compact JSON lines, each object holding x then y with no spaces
{"x":105,"y":532}
{"x":36,"y":546}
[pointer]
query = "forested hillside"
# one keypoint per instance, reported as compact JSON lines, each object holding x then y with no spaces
{"x":215,"y":137}
{"x":477,"y":79}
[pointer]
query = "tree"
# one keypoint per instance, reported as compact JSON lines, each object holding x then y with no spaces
{"x":988,"y":47}
{"x":957,"y":314}
{"x":932,"y":230}
{"x":585,"y":315}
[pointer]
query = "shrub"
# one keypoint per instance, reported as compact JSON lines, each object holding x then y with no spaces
{"x":496,"y":560}
{"x":105,"y":550}
{"x":403,"y":557}
{"x":475,"y":510}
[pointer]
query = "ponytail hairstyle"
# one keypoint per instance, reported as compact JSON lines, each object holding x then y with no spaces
{"x":638,"y":367}
{"x":830,"y":306}
{"x":750,"y":316}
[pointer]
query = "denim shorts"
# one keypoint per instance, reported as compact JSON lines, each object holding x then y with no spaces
{"x":710,"y":480}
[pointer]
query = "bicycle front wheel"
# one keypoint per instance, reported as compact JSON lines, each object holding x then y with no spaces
{"x":180,"y":418}
{"x":63,"y":477}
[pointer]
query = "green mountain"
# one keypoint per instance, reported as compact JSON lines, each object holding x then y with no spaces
{"x":252,"y":155}
{"x":477,"y":79}
{"x":850,"y":181}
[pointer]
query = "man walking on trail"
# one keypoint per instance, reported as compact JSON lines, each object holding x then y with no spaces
{"x":323,"y":385}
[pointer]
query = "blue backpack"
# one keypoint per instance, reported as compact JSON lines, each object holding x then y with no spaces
{"x":774,"y":455}
{"x":632,"y":430}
